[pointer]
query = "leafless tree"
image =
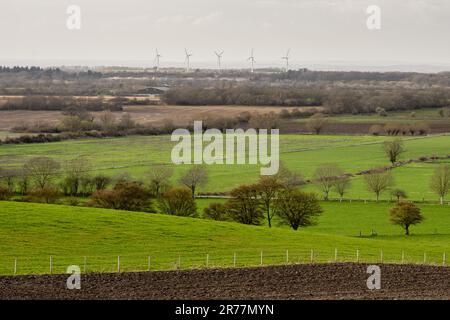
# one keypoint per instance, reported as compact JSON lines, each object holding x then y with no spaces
{"x":288,"y":178}
{"x":325,"y":178}
{"x":440,"y":181}
{"x":42,"y":171}
{"x":378,"y":182}
{"x":9,"y":178}
{"x":107,"y":121}
{"x":126,"y":122}
{"x":159,"y":179}
{"x":341,"y":185}
{"x":194,"y":178}
{"x":394,"y":149}
{"x":75,"y":172}
{"x":317,"y":122}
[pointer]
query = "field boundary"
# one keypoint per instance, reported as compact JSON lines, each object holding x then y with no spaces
{"x":54,"y":264}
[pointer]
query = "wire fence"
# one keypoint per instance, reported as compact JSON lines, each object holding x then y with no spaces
{"x":58,"y":264}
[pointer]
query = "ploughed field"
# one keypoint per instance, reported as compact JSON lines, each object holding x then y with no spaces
{"x":299,"y":153}
{"x":301,"y":281}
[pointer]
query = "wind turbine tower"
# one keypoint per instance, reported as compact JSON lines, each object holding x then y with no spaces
{"x":157,"y":57}
{"x":219,"y":59}
{"x":287,"y":59}
{"x":188,"y":60}
{"x":252,"y":62}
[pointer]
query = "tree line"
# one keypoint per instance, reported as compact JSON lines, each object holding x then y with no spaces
{"x":335,"y":100}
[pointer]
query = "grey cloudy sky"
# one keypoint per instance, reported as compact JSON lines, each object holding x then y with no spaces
{"x":317,"y":30}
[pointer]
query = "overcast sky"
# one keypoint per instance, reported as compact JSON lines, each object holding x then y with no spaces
{"x":412,"y":31}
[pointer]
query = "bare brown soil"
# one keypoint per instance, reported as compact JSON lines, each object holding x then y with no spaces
{"x":318,"y":282}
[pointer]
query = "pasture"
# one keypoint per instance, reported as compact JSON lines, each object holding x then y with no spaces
{"x":94,"y":238}
{"x":300,"y":153}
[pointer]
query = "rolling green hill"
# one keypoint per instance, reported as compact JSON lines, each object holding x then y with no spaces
{"x":93,"y":238}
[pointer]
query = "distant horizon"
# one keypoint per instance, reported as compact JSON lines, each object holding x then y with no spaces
{"x":326,"y":65}
{"x":318,"y":32}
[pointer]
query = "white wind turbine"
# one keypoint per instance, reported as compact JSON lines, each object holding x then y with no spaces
{"x":188,"y":60}
{"x":252,"y":61}
{"x":157,"y":57}
{"x":219,"y":59}
{"x":287,"y":59}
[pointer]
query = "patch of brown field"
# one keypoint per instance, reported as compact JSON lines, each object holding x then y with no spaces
{"x":180,"y":115}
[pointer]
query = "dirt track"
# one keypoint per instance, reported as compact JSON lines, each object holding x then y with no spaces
{"x":330,"y":281}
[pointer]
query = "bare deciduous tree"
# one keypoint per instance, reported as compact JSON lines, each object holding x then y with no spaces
{"x":268,"y":188}
{"x":394,"y":149}
{"x":42,"y":171}
{"x":325,"y":178}
{"x":378,"y":182}
{"x":440,"y":181}
{"x":194,"y":178}
{"x":399,"y":194}
{"x":75,"y":170}
{"x":317,"y":122}
{"x":341,"y":185}
{"x":159,"y":179}
{"x":288,"y":178}
{"x":126,"y":122}
{"x":107,"y":121}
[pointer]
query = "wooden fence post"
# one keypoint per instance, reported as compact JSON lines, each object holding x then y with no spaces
{"x":51,"y":265}
{"x":118,"y":264}
{"x":234,"y":260}
{"x":15,"y":266}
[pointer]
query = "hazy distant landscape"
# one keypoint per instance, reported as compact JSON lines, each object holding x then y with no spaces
{"x":241,"y":150}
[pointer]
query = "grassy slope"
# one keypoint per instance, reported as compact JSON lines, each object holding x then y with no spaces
{"x":299,"y":152}
{"x":33,"y":232}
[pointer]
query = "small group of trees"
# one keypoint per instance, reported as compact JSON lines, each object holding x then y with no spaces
{"x":79,"y":120}
{"x":398,"y":129}
{"x":271,"y":196}
{"x":316,"y":123}
{"x":328,"y":177}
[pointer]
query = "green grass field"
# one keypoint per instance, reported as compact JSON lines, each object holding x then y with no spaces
{"x":34,"y":232}
{"x":300,"y":153}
